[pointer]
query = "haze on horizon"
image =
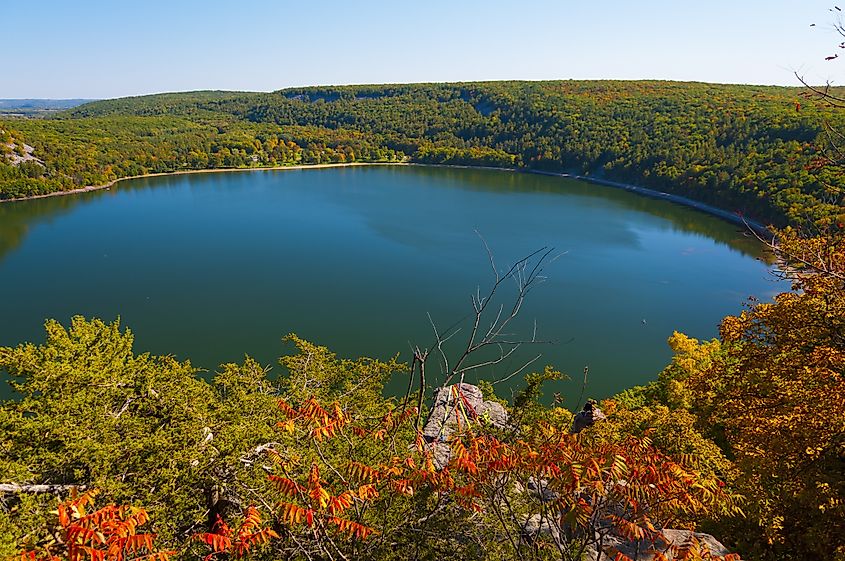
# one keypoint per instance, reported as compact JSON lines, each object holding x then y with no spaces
{"x":101,"y":49}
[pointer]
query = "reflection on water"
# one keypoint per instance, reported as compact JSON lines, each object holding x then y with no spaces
{"x":678,"y":217}
{"x":18,"y":217}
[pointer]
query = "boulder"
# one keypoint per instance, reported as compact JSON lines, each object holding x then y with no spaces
{"x":644,"y":551}
{"x":454,"y":408}
{"x":587,"y":417}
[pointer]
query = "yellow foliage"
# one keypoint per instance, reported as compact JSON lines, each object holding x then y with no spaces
{"x":673,"y":431}
{"x":774,"y":394}
{"x":691,"y":358}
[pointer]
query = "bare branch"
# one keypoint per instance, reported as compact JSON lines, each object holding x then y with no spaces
{"x":496,"y":318}
{"x":52,"y":489}
{"x":518,"y":370}
{"x":822,"y":92}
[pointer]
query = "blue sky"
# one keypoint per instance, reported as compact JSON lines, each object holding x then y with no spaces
{"x":97,"y":49}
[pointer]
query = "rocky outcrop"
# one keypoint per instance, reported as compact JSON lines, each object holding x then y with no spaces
{"x":644,"y":551}
{"x":587,"y":417}
{"x":538,"y":489}
{"x":455,"y":407}
{"x":18,"y":154}
{"x":461,"y":405}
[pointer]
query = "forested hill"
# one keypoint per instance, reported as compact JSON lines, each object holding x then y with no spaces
{"x":752,"y":149}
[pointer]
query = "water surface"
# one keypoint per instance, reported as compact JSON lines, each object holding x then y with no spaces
{"x":214,"y":266}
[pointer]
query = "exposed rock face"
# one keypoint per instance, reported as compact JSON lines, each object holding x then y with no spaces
{"x":679,"y":537}
{"x":16,"y":159}
{"x":455,"y":406}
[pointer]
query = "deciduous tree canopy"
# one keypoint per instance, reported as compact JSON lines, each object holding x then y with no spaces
{"x":751,"y":149}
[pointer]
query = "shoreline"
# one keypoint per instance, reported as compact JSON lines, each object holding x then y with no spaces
{"x":89,"y":188}
{"x":734,"y":218}
{"x":756,"y":227}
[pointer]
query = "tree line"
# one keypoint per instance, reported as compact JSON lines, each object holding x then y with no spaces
{"x":751,"y":149}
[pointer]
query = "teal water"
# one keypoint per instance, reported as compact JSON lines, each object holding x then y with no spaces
{"x":214,"y":266}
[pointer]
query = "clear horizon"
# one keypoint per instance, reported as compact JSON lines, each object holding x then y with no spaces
{"x":96,"y":50}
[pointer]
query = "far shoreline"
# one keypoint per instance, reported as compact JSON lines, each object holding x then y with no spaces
{"x":734,"y":218}
{"x":112,"y":183}
{"x":758,"y":229}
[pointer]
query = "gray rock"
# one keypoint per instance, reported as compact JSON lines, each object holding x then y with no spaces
{"x":537,"y":525}
{"x":587,"y":417}
{"x":645,"y":551}
{"x":539,"y":489}
{"x":679,"y":537}
{"x":455,"y":406}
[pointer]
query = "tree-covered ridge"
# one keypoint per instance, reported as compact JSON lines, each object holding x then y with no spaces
{"x":753,"y":149}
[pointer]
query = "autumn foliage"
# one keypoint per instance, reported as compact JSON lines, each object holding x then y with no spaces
{"x":223,"y":540}
{"x":111,"y":533}
{"x":770,"y":392}
{"x":591,"y":490}
{"x":322,"y":466}
{"x":588,"y":491}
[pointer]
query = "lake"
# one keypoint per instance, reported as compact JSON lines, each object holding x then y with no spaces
{"x":214,"y":266}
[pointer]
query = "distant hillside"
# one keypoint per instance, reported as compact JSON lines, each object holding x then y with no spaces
{"x":36,"y":107}
{"x":41,"y":103}
{"x":752,"y":149}
{"x":183,"y":103}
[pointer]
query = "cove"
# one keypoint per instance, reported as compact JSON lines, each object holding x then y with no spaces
{"x":209,"y":267}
